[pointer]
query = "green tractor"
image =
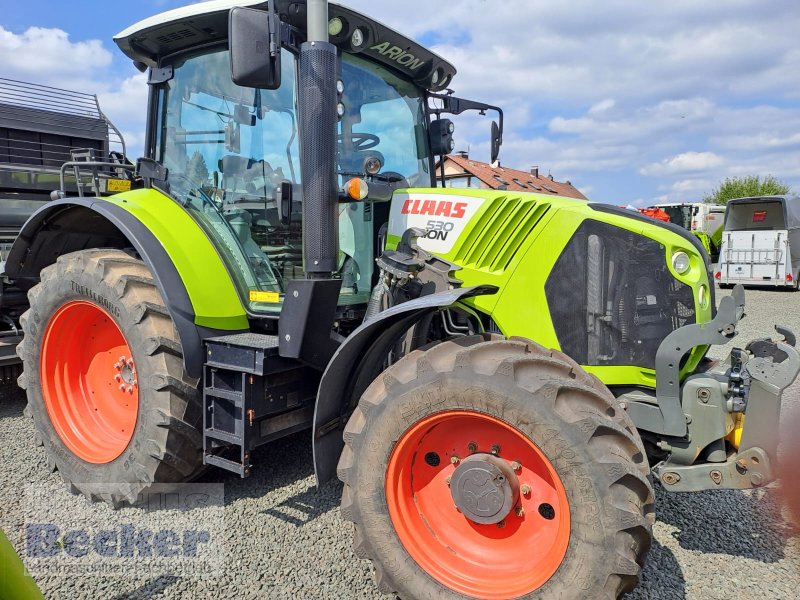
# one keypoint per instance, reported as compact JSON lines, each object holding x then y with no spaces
{"x":494,"y":376}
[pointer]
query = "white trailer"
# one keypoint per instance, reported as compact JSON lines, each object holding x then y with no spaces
{"x":761,"y":242}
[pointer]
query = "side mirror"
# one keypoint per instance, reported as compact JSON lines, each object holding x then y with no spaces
{"x":255,"y":48}
{"x":497,"y":141}
{"x":441,"y":133}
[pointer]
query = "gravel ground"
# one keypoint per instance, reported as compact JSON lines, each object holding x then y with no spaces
{"x":284,"y":539}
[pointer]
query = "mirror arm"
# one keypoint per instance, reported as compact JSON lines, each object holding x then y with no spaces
{"x":455,"y":106}
{"x":274,"y":31}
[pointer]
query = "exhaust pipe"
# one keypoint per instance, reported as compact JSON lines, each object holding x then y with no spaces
{"x":317,"y":20}
{"x":317,"y":101}
{"x":309,"y":311}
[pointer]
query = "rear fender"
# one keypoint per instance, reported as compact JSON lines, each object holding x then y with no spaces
{"x":356,"y":364}
{"x":74,"y":224}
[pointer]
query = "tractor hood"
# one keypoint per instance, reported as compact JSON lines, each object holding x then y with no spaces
{"x":152,"y":40}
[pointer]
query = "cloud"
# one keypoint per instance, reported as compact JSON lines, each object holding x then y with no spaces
{"x":637,"y":101}
{"x":684,"y":186}
{"x":130,"y":95}
{"x":602,"y":106}
{"x":688,"y":161}
{"x":49,"y":53}
{"x":606,"y":91}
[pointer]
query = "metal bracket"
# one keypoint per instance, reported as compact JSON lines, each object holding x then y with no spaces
{"x":738,"y":381}
{"x":151,"y":170}
{"x":160,"y":75}
{"x":768,"y":378}
{"x":787,"y":334}
{"x":667,"y":418}
{"x":744,"y":471}
{"x":305,"y":328}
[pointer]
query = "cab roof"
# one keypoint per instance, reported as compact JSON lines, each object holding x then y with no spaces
{"x":159,"y":37}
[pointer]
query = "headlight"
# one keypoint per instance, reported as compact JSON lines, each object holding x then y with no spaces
{"x":372,"y":165}
{"x":680,"y":262}
{"x":335,"y":26}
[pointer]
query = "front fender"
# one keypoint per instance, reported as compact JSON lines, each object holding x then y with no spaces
{"x":356,"y":364}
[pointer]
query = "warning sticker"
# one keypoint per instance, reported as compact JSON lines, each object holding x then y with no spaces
{"x":270,"y":297}
{"x":119,"y":185}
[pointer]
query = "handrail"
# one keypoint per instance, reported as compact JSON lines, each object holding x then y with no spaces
{"x":94,"y":165}
{"x":42,"y":97}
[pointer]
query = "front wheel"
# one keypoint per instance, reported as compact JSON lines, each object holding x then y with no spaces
{"x":495,"y":469}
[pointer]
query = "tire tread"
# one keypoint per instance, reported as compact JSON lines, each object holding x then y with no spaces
{"x":608,"y":428}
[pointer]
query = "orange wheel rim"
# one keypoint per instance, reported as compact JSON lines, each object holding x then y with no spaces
{"x":507,"y":559}
{"x":89,"y":382}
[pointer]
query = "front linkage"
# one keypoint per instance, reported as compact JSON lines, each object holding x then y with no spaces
{"x":718,"y":428}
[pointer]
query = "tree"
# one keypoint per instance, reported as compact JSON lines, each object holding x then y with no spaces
{"x":746,"y":187}
{"x":196,"y":169}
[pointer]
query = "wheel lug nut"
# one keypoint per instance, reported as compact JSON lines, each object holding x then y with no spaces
{"x":495,"y":449}
{"x":122,"y":387}
{"x":472,"y":447}
{"x":455,"y":460}
{"x":447,"y":481}
{"x":526,"y":490}
{"x":501,"y":524}
{"x":122,"y":359}
{"x":117,"y":366}
{"x":520,"y":511}
{"x":117,"y":377}
{"x":516,"y":466}
{"x":130,"y":389}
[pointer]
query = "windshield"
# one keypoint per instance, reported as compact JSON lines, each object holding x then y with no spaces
{"x":228,"y":149}
{"x":754,"y":216}
{"x":384,"y":119}
{"x":679,"y":215}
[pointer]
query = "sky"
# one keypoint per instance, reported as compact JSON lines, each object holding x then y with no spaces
{"x":634,"y":102}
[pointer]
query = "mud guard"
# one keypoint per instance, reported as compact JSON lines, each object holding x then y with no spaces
{"x":356,"y":364}
{"x":151,"y":251}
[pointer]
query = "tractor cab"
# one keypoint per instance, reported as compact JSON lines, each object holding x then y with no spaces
{"x":231,"y":153}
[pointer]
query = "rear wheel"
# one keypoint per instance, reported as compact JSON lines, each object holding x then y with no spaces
{"x":495,"y":469}
{"x":103,"y":372}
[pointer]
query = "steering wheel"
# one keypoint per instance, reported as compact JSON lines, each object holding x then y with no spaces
{"x":362,"y":141}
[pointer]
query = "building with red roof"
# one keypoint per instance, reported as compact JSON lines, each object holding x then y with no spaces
{"x":462,"y":172}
